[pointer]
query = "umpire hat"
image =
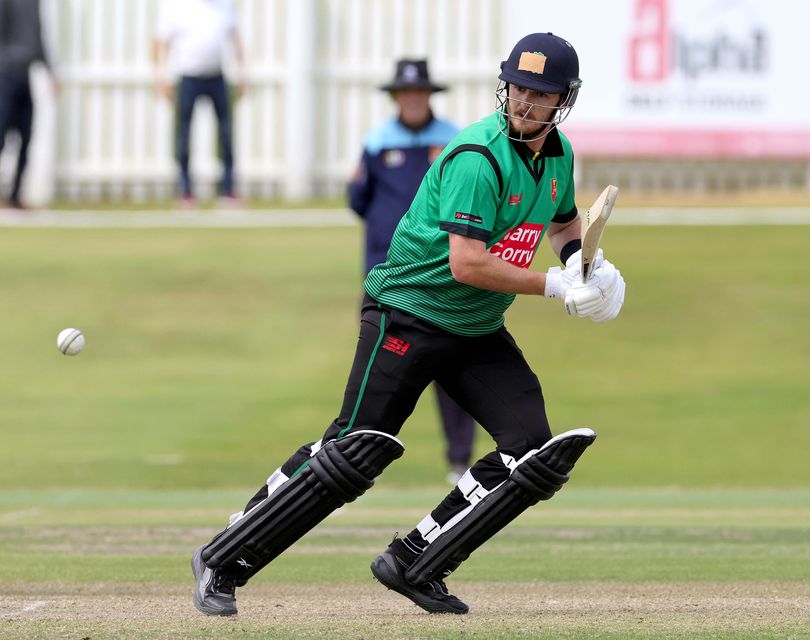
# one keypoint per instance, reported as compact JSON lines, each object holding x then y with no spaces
{"x":412,"y":74}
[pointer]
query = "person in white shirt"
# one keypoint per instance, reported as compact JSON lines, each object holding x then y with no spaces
{"x":191,"y":42}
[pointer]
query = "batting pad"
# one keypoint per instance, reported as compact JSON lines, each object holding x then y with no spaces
{"x":339,"y":472}
{"x":536,"y":476}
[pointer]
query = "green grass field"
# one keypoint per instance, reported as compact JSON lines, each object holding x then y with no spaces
{"x":212,"y":354}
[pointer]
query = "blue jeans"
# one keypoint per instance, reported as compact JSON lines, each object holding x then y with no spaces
{"x":189,"y":90}
{"x":16,"y":114}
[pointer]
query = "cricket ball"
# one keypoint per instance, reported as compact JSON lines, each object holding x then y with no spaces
{"x":70,"y":341}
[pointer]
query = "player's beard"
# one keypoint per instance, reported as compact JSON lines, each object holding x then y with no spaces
{"x":527,"y":129}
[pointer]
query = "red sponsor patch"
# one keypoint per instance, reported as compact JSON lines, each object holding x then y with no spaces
{"x":515,"y":198}
{"x":519,"y":245}
{"x":396,"y":345}
{"x":553,"y":189}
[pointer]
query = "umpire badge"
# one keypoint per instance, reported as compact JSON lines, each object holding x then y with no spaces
{"x":394,"y":158}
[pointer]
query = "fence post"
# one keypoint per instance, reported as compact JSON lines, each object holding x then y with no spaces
{"x":38,"y":187}
{"x":299,"y":97}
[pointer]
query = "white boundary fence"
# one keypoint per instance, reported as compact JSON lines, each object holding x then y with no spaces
{"x":313,"y":70}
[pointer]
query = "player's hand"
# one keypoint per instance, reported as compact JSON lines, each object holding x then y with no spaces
{"x":239,"y":90}
{"x":558,"y":281}
{"x":601,"y":298}
{"x":164,"y":89}
{"x":582,"y":299}
{"x":614,"y":298}
{"x":573,"y":266}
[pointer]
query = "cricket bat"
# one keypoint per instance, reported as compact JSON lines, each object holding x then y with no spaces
{"x":594,"y":221}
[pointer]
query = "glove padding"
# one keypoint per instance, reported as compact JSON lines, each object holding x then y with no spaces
{"x":601,"y":298}
{"x":573,"y":267}
{"x":558,"y":281}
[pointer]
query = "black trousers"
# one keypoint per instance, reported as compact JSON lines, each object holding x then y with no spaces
{"x":16,"y":114}
{"x":458,"y":427}
{"x":189,"y":90}
{"x":398,"y":355}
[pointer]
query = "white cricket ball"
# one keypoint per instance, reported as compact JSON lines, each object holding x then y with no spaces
{"x":70,"y":341}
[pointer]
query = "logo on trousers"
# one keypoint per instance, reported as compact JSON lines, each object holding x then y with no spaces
{"x":396,"y":345}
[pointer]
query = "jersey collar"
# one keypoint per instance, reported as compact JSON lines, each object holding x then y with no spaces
{"x":552,"y":147}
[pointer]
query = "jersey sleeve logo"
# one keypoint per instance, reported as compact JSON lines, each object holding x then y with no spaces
{"x":553,"y":189}
{"x":469,"y":217}
{"x":519,"y":245}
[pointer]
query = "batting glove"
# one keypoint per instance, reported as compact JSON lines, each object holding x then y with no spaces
{"x":558,"y":281}
{"x":601,"y":298}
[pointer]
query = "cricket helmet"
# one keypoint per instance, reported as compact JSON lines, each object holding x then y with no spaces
{"x":542,"y":62}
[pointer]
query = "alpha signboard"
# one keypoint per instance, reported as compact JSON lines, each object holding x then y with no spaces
{"x":684,"y":77}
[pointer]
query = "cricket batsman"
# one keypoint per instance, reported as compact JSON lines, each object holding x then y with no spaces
{"x":435,"y":311}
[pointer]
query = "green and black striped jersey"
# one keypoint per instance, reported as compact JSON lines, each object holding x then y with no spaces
{"x":487,"y":187}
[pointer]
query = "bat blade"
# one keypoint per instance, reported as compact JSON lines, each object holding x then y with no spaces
{"x":594,"y":221}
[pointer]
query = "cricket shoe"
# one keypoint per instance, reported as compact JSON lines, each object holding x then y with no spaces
{"x":431,"y":596}
{"x":215,"y":593}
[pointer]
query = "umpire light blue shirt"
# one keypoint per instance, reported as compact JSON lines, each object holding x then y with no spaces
{"x":395,"y":159}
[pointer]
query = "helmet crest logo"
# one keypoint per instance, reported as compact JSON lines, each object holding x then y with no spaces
{"x":533,"y":62}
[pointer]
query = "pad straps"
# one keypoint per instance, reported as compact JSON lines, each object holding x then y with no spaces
{"x":339,"y":472}
{"x":537,"y":476}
